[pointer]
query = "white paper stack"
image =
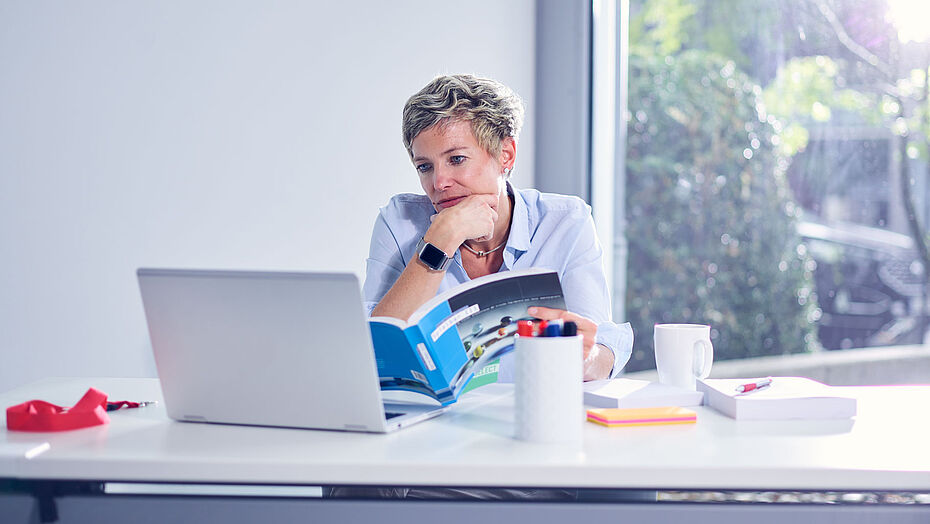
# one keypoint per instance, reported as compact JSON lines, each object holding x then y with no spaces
{"x":785,"y":398}
{"x":632,"y":393}
{"x":548,"y":389}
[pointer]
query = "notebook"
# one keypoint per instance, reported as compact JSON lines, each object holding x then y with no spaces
{"x":634,"y":393}
{"x":268,"y":349}
{"x":785,"y":398}
{"x":624,"y":418}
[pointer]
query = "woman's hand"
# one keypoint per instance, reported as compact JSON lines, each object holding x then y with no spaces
{"x":598,"y":359}
{"x":471,"y":219}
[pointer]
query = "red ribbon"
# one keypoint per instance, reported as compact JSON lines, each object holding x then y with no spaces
{"x":38,"y":415}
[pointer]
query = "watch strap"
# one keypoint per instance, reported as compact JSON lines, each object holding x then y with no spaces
{"x":431,"y":256}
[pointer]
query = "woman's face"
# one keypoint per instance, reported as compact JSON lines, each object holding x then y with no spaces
{"x":453,"y":166}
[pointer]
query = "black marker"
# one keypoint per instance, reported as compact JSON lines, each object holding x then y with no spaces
{"x":569,"y":329}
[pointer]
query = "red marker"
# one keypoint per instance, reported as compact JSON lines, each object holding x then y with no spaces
{"x":541,"y":328}
{"x":525,"y":328}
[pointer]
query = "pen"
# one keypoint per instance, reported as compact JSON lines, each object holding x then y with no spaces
{"x":754,"y":386}
{"x":113,"y":406}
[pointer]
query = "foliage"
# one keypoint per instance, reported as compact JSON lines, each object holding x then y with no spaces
{"x":711,"y":226}
{"x":658,"y":28}
{"x":825,"y":65}
{"x":737,"y":29}
{"x":806,"y":91}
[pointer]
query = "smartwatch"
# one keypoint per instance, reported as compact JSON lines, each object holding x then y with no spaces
{"x":432,"y":257}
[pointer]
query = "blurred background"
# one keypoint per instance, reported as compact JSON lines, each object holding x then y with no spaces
{"x":208,"y":134}
{"x":776,"y":179}
{"x":757,"y":166}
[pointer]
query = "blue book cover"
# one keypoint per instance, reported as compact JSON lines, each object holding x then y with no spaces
{"x":460,"y":334}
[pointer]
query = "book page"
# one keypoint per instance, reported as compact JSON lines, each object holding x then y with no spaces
{"x":398,"y":367}
{"x":496,"y":306}
{"x":462,"y":288}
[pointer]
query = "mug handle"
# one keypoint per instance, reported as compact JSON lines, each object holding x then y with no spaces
{"x":703,"y":358}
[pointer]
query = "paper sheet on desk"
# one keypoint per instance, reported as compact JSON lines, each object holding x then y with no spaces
{"x":632,"y":393}
{"x":785,"y":398}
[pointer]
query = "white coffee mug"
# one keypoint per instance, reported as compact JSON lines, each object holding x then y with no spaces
{"x":683,"y":353}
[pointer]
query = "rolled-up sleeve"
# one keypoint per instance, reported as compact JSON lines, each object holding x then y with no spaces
{"x":585,"y":287}
{"x":619,"y":338}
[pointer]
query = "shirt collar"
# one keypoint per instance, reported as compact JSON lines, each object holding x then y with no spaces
{"x":519,"y":239}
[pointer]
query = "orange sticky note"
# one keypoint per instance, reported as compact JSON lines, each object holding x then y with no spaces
{"x":614,"y":418}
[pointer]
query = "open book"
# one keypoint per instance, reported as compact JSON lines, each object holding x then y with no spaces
{"x":785,"y":398}
{"x":454,"y":342}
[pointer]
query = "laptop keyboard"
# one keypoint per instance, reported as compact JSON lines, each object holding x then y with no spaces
{"x":391,"y":415}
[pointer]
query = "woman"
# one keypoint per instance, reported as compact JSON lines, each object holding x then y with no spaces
{"x":461,"y":134}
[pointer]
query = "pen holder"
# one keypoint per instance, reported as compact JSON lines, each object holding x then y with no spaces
{"x":549,"y":398}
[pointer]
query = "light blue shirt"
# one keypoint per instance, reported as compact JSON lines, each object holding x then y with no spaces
{"x":548,"y":231}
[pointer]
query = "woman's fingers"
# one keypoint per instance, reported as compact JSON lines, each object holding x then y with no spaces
{"x":475,"y":216}
{"x":546,"y":313}
{"x":587,"y":328}
{"x":598,"y":360}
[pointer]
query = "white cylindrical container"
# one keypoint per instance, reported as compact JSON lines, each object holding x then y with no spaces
{"x":549,"y":398}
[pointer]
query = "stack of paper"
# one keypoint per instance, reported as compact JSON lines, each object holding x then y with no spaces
{"x":785,"y":398}
{"x":632,"y":393}
{"x":614,"y":418}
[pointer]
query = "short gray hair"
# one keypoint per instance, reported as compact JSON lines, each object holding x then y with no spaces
{"x":494,"y":111}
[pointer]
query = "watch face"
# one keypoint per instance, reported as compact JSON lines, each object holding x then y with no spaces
{"x":432,"y":256}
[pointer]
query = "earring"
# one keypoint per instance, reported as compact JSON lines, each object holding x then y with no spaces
{"x":506,"y":172}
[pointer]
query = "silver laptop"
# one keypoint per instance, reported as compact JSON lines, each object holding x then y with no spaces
{"x":268,"y":349}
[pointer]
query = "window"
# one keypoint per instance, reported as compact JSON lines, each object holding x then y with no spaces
{"x":775,"y":181}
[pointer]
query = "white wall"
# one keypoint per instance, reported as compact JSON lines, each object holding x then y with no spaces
{"x":208,"y":134}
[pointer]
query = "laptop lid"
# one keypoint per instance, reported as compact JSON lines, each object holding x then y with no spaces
{"x":263,"y":348}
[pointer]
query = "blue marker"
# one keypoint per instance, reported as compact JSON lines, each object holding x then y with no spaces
{"x":554,"y":329}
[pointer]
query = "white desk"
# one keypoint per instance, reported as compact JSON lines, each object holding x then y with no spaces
{"x":885,"y":448}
